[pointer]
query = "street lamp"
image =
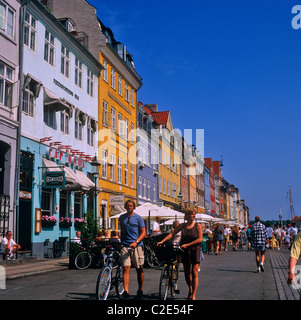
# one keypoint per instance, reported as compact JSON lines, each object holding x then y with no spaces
{"x":96,"y":164}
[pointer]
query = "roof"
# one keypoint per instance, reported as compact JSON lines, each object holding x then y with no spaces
{"x":161,"y":117}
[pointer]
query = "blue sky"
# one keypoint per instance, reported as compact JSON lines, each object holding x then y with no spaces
{"x":232,"y":68}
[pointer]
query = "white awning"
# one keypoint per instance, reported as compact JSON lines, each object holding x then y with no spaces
{"x":84,"y":181}
{"x":58,"y":104}
{"x":50,"y":166}
{"x":70,"y":176}
{"x":117,"y":209}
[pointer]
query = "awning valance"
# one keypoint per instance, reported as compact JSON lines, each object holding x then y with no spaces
{"x":117,"y":209}
{"x":58,"y":104}
{"x":34,"y":85}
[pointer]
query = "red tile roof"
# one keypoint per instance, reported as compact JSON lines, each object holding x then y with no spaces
{"x":161,"y":117}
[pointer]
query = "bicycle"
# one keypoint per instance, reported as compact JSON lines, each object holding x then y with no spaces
{"x":106,"y":280}
{"x":91,"y":253}
{"x":169,"y":279}
{"x":151,"y":257}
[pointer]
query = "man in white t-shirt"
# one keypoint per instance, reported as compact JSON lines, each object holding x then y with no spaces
{"x":9,"y":246}
{"x":156,"y":227}
{"x":292,"y":232}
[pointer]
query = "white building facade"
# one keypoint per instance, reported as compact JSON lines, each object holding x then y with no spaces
{"x":59,"y":131}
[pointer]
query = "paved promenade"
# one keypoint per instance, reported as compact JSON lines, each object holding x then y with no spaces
{"x":230,"y":276}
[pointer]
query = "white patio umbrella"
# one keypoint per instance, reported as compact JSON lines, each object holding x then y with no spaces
{"x":149,"y":210}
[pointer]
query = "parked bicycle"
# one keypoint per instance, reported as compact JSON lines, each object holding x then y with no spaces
{"x":150,"y":253}
{"x":169,"y":279}
{"x":111,"y":274}
{"x":90,"y":255}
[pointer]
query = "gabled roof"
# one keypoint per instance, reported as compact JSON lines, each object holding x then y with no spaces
{"x":161,"y":117}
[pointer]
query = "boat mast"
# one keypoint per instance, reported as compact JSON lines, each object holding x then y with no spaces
{"x":291,"y":203}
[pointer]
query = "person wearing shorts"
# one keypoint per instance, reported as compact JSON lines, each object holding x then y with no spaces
{"x":132,"y":233}
{"x":259,"y":240}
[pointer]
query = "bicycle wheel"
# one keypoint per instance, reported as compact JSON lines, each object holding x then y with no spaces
{"x":119,"y":281}
{"x":164,"y":282}
{"x":103,"y":283}
{"x":152,"y":259}
{"x":175,"y":280}
{"x":83,"y":260}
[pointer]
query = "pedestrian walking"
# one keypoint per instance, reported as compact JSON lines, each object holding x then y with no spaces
{"x":295,"y":255}
{"x":191,"y":239}
{"x":270,"y":235}
{"x":226,"y":237}
{"x":132,"y":233}
{"x":235,"y":236}
{"x":259,"y":240}
{"x":248,"y":232}
{"x":219,"y":237}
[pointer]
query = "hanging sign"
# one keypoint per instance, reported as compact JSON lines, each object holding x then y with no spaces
{"x":54,"y":179}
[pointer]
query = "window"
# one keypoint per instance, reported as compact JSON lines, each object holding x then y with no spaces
{"x":77,"y":205}
{"x":126,"y":91}
{"x":132,"y":176}
{"x":113,"y":114}
{"x":155,"y":192}
{"x":64,"y":122}
{"x":104,"y":163}
{"x":7,"y":19}
{"x":46,"y":202}
{"x":112,"y":167}
{"x":28,"y":102}
{"x":49,"y":117}
{"x":90,"y":83}
{"x":144,"y":188}
{"x":120,"y":85}
{"x":119,"y":170}
{"x":63,"y":203}
{"x":30,"y":31}
{"x":132,"y":134}
{"x":105,"y":113}
{"x":6,"y":85}
{"x":78,"y":129}
{"x":140,"y":186}
{"x":126,"y":173}
{"x":105,"y":70}
{"x":78,"y":73}
{"x":132,"y":98}
{"x":49,"y":48}
{"x":65,"y":61}
{"x":126,"y":128}
{"x":160,"y":185}
{"x":90,"y":136}
{"x":113,"y":78}
{"x":148,"y":189}
{"x":120,"y":125}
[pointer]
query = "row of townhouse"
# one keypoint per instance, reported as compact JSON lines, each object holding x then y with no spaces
{"x":73,"y":136}
{"x":223,"y":199}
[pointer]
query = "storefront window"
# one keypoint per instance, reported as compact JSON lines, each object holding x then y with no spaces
{"x":63,"y":203}
{"x":46,"y":201}
{"x":77,"y":205}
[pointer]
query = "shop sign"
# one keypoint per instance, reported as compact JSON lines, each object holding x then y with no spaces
{"x":64,"y":157}
{"x":54,"y":179}
{"x":116,"y":200}
{"x":25,"y":195}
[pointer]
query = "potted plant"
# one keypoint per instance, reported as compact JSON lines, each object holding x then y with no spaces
{"x":65,"y":222}
{"x":79,"y":223}
{"x":48,"y":221}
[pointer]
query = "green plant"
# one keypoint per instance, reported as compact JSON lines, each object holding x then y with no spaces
{"x":90,"y":228}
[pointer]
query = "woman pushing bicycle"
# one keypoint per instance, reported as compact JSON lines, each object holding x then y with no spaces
{"x":191,"y":239}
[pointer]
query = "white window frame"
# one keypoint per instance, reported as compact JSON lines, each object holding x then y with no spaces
{"x":113,"y":80}
{"x":78,"y":75}
{"x":113,"y":119}
{"x":104,"y":163}
{"x":28,"y":100}
{"x":132,"y":176}
{"x":105,"y":70}
{"x":8,"y":25}
{"x":112,"y":167}
{"x":105,"y":116}
{"x":126,"y":173}
{"x":49,"y":48}
{"x":119,"y":170}
{"x":65,"y":122}
{"x":126,"y":91}
{"x":90,"y":83}
{"x":65,"y":61}
{"x":30,"y":31}
{"x":120,"y":85}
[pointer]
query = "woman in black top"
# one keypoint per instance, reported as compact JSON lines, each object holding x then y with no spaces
{"x":191,"y":239}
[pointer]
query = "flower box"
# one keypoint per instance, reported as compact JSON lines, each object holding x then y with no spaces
{"x":78,"y":223}
{"x":65,"y":222}
{"x":48,"y":221}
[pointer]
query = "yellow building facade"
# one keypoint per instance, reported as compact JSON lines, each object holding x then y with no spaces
{"x":117,"y":116}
